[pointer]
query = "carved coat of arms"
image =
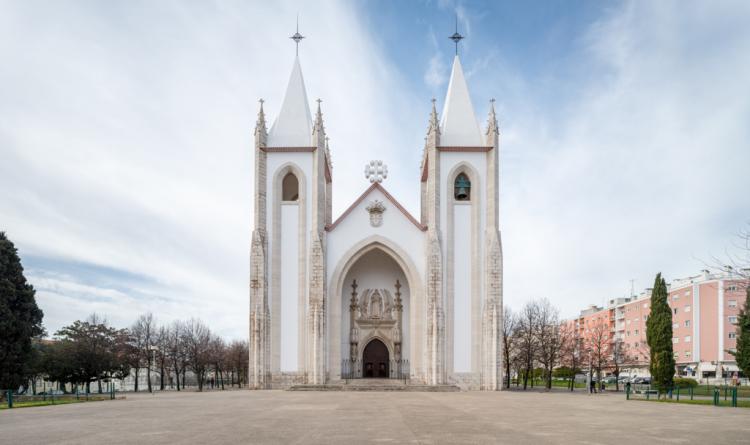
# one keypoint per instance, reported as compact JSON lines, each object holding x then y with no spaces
{"x":376,"y":209}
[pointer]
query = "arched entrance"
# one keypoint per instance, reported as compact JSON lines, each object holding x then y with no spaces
{"x":376,"y":263}
{"x":375,"y":360}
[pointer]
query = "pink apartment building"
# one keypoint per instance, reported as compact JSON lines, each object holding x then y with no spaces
{"x":704,"y":312}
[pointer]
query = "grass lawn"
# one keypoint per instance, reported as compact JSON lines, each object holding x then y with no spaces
{"x":703,"y":390}
{"x":740,"y":403}
{"x":555,"y":383}
{"x":61,"y":401}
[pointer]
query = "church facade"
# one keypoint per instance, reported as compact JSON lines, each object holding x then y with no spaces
{"x":376,"y":292}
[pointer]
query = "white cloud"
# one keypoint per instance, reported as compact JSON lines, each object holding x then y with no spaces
{"x":644,"y":170}
{"x":126,"y":139}
{"x":435,"y":76}
{"x":126,"y":142}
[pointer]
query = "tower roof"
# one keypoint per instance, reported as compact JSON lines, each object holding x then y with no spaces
{"x":459,"y":126}
{"x":293,"y":125}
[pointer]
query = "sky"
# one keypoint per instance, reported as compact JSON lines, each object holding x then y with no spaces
{"x":126,"y":138}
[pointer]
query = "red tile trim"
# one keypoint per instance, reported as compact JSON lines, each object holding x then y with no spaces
{"x":289,"y":149}
{"x":465,"y":149}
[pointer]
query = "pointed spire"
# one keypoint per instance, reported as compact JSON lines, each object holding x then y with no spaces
{"x":492,"y":119}
{"x":459,"y":125}
{"x":293,"y":125}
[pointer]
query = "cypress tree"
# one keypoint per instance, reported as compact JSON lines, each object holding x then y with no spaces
{"x":742,"y":356}
{"x":659,"y":336}
{"x":20,"y":318}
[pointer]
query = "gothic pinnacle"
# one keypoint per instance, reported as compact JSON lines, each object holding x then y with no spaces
{"x":434,"y":124}
{"x":260,"y":124}
{"x":328,"y":154}
{"x":319,"y":117}
{"x":492,"y":118}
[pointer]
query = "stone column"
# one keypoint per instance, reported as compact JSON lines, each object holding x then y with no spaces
{"x":353,"y":332}
{"x":259,"y":315}
{"x":399,"y":322}
{"x":435,"y":315}
{"x":492,"y":328}
{"x":317,"y":314}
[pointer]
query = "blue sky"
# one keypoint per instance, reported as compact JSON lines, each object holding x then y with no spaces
{"x":125,"y":137}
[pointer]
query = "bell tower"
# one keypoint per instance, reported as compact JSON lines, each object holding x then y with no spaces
{"x":292,"y":208}
{"x":459,"y":193}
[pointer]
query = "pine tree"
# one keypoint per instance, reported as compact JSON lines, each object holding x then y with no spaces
{"x":742,"y":356}
{"x":659,"y":336}
{"x":20,"y":318}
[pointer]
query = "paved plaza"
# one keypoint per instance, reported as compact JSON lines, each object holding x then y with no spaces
{"x":373,"y":417}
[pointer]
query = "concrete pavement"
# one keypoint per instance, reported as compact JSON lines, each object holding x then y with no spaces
{"x":353,"y":417}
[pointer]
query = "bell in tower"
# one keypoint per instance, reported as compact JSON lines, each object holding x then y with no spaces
{"x":462,"y":188}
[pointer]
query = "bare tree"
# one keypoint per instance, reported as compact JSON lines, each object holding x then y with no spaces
{"x":509,"y":329}
{"x":176,"y":350}
{"x":598,"y":348}
{"x":238,"y":353}
{"x":146,"y":333}
{"x":571,"y":350}
{"x":526,"y":339}
{"x":162,"y":354}
{"x":738,"y":258}
{"x":136,"y":345}
{"x":549,"y":338}
{"x":218,"y":357}
{"x":620,"y":356}
{"x":197,"y":339}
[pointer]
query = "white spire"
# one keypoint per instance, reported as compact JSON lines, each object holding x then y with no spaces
{"x":459,"y":126}
{"x":293,"y":126}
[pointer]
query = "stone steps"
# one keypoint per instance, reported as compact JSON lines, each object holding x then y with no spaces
{"x":383,"y":385}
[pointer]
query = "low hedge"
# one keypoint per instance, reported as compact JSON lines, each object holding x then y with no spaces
{"x":683,"y":382}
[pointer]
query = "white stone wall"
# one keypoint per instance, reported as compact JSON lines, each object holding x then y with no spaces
{"x":287,"y":246}
{"x":356,"y":227}
{"x":463,"y":232}
{"x":289,"y":278}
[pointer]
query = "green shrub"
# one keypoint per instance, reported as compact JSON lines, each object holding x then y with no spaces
{"x":684,"y":382}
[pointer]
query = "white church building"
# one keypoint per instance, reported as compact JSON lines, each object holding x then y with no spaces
{"x":376,"y":292}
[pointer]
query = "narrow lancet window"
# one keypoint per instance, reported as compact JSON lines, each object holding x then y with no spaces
{"x":462,"y":188}
{"x":290,"y":188}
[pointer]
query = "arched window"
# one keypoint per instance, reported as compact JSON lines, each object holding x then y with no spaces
{"x":289,"y":188}
{"x":462,"y":188}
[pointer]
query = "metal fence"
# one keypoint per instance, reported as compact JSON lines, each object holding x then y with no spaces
{"x":355,"y":369}
{"x":11,"y":399}
{"x":733,"y":396}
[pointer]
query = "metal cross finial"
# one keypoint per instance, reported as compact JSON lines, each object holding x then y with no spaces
{"x":456,"y":37}
{"x":297,"y":37}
